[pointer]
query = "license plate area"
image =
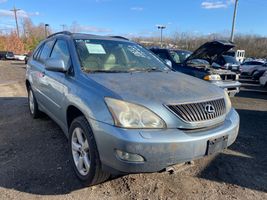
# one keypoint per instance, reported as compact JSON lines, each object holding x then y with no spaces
{"x":217,"y":145}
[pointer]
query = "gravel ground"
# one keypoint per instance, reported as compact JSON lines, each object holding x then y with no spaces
{"x":34,"y":163}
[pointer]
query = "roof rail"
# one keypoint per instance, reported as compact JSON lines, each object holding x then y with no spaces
{"x":119,"y":37}
{"x":62,"y":32}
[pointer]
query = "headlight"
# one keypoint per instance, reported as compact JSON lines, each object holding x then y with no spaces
{"x":128,"y":115}
{"x":213,"y":77}
{"x":237,"y":77}
{"x":228,"y":103}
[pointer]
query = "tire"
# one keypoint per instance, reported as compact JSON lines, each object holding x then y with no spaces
{"x":84,"y":154}
{"x":33,"y":105}
{"x":254,"y":76}
{"x":252,"y":73}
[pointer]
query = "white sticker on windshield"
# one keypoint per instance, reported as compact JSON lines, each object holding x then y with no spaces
{"x":95,"y":48}
{"x":137,"y":52}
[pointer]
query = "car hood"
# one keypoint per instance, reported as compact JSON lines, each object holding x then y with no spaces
{"x":211,"y":50}
{"x":157,"y":87}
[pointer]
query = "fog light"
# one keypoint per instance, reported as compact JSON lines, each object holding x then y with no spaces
{"x":129,"y":156}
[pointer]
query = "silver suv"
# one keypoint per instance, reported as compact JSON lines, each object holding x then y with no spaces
{"x":122,"y":109}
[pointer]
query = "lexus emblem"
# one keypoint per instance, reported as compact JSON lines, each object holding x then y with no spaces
{"x":209,"y":109}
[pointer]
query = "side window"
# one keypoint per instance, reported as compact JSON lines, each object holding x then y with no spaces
{"x":61,"y":51}
{"x":247,"y":63}
{"x":46,"y":51}
{"x":162,"y":55}
{"x":256,"y":63}
{"x":37,"y":52}
{"x":221,"y":61}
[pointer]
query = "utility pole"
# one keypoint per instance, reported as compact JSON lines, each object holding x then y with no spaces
{"x":161,"y":27}
{"x":233,"y":24}
{"x":63,"y":27}
{"x":15,"y":10}
{"x":46,"y":25}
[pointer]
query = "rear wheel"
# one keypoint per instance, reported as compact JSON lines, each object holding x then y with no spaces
{"x":84,"y":154}
{"x":33,"y":105}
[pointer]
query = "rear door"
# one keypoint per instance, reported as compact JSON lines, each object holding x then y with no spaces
{"x":37,"y":66}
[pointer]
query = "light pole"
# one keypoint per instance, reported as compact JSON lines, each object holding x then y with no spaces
{"x":46,"y":25}
{"x":15,"y":10}
{"x":233,"y":24}
{"x":161,"y":27}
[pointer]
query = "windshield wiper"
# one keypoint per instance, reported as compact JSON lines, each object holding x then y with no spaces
{"x":153,"y":69}
{"x":105,"y":71}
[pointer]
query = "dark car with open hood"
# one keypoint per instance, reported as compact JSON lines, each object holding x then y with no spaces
{"x":201,"y":64}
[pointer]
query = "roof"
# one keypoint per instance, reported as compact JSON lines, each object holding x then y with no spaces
{"x":181,"y":50}
{"x":89,"y":36}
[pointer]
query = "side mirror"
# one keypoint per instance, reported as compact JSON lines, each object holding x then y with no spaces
{"x":168,"y":62}
{"x":56,"y":65}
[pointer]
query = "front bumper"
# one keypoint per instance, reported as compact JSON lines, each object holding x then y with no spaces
{"x":231,"y":87}
{"x":159,"y":148}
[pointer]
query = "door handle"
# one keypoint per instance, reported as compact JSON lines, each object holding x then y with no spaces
{"x":43,"y":73}
{"x":40,"y":74}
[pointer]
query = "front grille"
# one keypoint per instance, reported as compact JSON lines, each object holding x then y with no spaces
{"x":228,"y":77}
{"x":196,"y":112}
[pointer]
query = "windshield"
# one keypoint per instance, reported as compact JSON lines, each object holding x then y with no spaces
{"x":230,"y":59}
{"x":199,"y":63}
{"x":116,"y":56}
{"x":179,"y":56}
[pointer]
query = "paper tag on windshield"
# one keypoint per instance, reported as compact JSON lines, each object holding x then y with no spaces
{"x":95,"y":48}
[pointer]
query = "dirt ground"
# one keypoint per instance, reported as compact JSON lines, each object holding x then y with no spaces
{"x":34,"y":163}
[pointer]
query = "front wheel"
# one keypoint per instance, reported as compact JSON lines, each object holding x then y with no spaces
{"x":84,"y":154}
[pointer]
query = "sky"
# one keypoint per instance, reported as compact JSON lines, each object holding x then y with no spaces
{"x":140,"y":17}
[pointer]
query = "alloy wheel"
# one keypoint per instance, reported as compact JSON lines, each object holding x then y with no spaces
{"x":31,"y":101}
{"x":80,"y":151}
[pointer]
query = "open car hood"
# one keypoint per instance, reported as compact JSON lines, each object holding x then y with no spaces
{"x":211,"y":50}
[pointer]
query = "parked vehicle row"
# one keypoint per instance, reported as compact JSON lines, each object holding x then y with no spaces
{"x":8,"y":55}
{"x":123,"y":109}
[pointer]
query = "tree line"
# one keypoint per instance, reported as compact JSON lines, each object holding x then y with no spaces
{"x":31,"y":35}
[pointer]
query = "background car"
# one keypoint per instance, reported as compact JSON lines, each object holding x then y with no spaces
{"x":239,"y":55}
{"x":228,"y":62}
{"x":20,"y":57}
{"x":199,"y":64}
{"x":249,"y":67}
{"x":7,"y":55}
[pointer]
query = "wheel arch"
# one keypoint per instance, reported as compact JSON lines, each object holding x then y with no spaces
{"x":28,"y":84}
{"x":72,"y":113}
